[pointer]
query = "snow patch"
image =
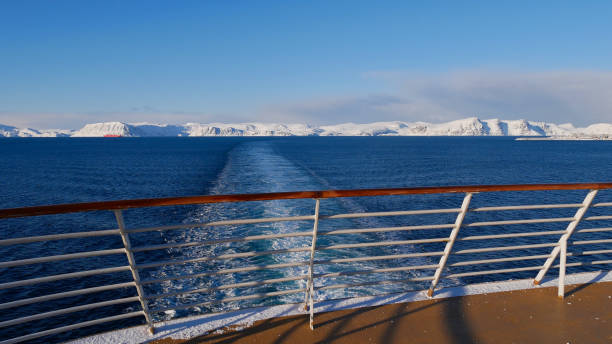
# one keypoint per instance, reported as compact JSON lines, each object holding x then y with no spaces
{"x":8,"y":131}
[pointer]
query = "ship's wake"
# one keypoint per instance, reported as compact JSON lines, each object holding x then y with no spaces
{"x":254,"y":167}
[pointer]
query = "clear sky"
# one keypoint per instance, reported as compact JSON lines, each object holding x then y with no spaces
{"x":67,"y":63}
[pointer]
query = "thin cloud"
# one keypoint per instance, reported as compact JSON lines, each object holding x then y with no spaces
{"x":575,"y":96}
{"x":579,"y":97}
{"x":366,"y":108}
{"x":78,"y":120}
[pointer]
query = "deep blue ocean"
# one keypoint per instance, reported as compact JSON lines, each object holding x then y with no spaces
{"x":55,"y":171}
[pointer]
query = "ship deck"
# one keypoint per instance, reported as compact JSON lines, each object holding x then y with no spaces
{"x":521,"y":316}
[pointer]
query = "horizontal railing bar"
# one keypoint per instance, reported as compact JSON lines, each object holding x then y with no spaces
{"x":594,"y":262}
{"x":364,"y":259}
{"x":165,"y":228}
{"x":228,"y":286}
{"x":510,"y":235}
{"x":158,"y":202}
{"x":383,"y":229}
{"x":223,"y":256}
{"x":72,"y":327}
{"x":390,"y":213}
{"x":595,"y":218}
{"x":221,"y":241}
{"x":223,"y":223}
{"x":502,"y":248}
{"x":166,"y":246}
{"x":232,"y":299}
{"x":587,"y":242}
{"x":374,"y":271}
{"x":527,"y":207}
{"x":517,"y":222}
{"x":227,"y":271}
{"x":570,"y":265}
{"x":499,"y":260}
{"x":602,"y":204}
{"x":49,"y":297}
{"x":66,"y":311}
{"x":592,"y":230}
{"x":47,"y":259}
{"x":492,"y":272}
{"x":63,"y":276}
{"x":27,"y":240}
{"x":382,"y":243}
{"x":364,"y":284}
{"x":585,"y":253}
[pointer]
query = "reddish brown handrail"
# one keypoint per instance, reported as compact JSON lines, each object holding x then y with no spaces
{"x":168,"y":201}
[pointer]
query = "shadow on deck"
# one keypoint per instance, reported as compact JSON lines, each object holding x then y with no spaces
{"x":525,"y":316}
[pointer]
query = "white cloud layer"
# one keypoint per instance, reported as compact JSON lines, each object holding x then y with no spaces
{"x":576,"y":96}
{"x":78,"y":120}
{"x":580,"y":97}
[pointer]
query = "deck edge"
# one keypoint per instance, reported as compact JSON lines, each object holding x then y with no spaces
{"x":189,"y":327}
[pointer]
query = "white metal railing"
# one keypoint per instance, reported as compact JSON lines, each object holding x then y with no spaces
{"x":313,"y":282}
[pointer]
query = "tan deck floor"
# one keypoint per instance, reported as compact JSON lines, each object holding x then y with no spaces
{"x":527,"y":316}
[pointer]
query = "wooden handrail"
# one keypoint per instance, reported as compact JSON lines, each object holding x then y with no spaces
{"x":168,"y":201}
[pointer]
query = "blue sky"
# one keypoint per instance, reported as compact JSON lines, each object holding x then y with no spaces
{"x":67,"y":63}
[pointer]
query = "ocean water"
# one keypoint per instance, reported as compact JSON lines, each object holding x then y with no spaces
{"x":52,"y":171}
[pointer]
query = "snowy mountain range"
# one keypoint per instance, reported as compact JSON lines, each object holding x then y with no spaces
{"x":464,"y":127}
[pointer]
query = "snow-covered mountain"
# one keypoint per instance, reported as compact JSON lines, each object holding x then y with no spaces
{"x":8,"y":131}
{"x":464,"y":127}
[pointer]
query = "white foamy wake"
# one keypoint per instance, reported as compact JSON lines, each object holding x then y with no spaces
{"x":254,"y":167}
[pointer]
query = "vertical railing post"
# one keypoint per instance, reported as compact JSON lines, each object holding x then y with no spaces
{"x":571,"y":227}
{"x":309,"y":300}
{"x":562,"y":260}
{"x":132,"y":262}
{"x":451,"y":241}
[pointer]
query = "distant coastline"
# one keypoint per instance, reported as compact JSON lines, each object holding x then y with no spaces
{"x":472,"y":126}
{"x":566,"y":138}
